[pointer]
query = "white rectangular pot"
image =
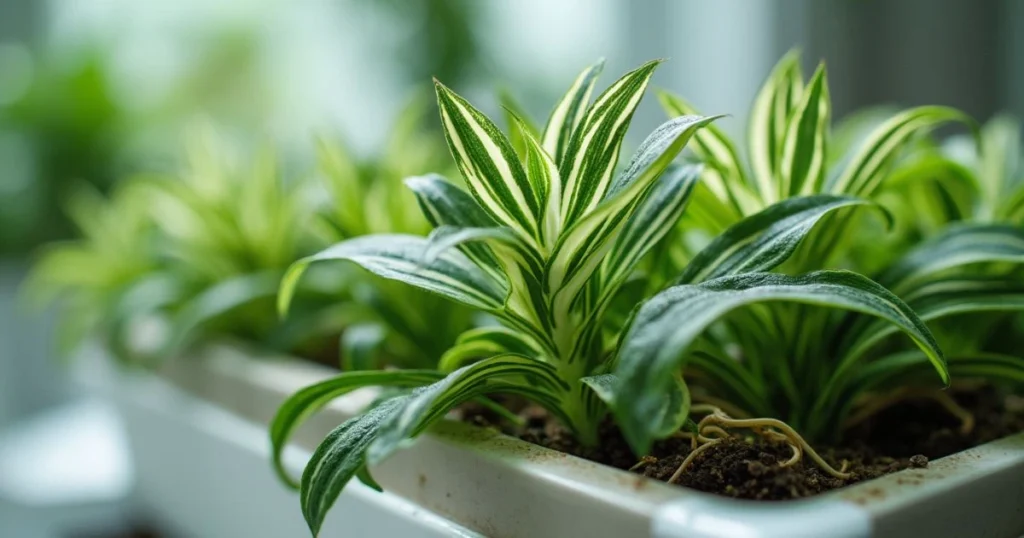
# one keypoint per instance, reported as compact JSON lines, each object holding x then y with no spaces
{"x":504,"y":487}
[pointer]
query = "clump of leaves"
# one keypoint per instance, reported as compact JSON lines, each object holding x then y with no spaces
{"x":793,"y":362}
{"x":208,"y":246}
{"x":91,"y":279}
{"x":546,"y":242}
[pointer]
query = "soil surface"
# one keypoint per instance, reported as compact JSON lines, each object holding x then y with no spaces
{"x":904,"y":436}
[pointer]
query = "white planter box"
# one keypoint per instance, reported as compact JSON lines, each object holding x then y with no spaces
{"x":504,"y":487}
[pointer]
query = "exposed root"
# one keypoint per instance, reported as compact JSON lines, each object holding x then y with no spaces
{"x":689,"y":459}
{"x":942,"y":398}
{"x":644,"y":461}
{"x":713,"y":429}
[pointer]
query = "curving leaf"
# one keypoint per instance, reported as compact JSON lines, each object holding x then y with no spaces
{"x":946,"y":297}
{"x":383,"y":429}
{"x":445,"y":204}
{"x":867,"y":167}
{"x":507,"y":373}
{"x":304,"y":403}
{"x":340,"y":457}
{"x":957,"y":246}
{"x":666,"y":326}
{"x":764,"y":240}
{"x":712,"y":147}
{"x":483,"y":342}
{"x":401,"y":257}
{"x":674,"y":413}
{"x":653,"y":219}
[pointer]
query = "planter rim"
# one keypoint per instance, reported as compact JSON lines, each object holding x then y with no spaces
{"x":423,"y":472}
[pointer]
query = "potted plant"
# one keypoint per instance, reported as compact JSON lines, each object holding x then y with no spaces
{"x":545,"y":242}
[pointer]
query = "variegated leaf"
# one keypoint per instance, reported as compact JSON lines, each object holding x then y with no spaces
{"x":490,"y":166}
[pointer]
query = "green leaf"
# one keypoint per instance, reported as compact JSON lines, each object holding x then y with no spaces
{"x":377,"y":433}
{"x":360,"y":345}
{"x":804,"y":152}
{"x":764,"y":240}
{"x":946,"y":297}
{"x":338,"y":458}
{"x":306,"y":402}
{"x":343,"y":181}
{"x":508,"y":373}
{"x":673,"y":414}
{"x":483,"y":342}
{"x":957,"y":246}
{"x":769,"y":117}
{"x":657,"y":215}
{"x":866,"y":169}
{"x":514,"y":114}
{"x":401,"y":257}
{"x":594,"y":151}
{"x":216,"y":301}
{"x":490,"y":166}
{"x":445,"y":204}
{"x":568,"y":113}
{"x":710,"y":144}
{"x":724,"y":173}
{"x":543,"y":172}
{"x":667,"y":325}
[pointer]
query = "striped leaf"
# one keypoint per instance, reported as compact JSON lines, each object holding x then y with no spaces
{"x":508,"y":373}
{"x":380,"y":431}
{"x":667,"y":326}
{"x":912,"y":367}
{"x":653,"y":219}
{"x":593,"y":152}
{"x":543,"y":171}
{"x":712,"y":147}
{"x":804,"y":152}
{"x":484,"y":342}
{"x":583,"y":246}
{"x":957,"y":246}
{"x":764,"y":240}
{"x":568,"y":113}
{"x":674,"y":412}
{"x":306,"y":402}
{"x":490,"y":166}
{"x":866,"y":168}
{"x":769,"y":118}
{"x":514,"y":114}
{"x":340,"y":457}
{"x":402,"y":258}
{"x":946,"y":297}
{"x":445,"y":204}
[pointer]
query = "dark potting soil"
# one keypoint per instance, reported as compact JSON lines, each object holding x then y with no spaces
{"x":901,"y":437}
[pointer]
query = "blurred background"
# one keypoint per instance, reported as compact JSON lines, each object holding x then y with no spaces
{"x":92,"y":91}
